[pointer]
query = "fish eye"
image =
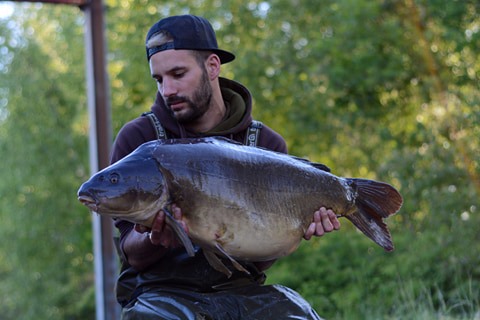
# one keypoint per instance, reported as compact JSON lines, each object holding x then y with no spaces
{"x":114,"y":178}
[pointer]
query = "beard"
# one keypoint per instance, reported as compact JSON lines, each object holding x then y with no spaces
{"x":197,"y":105}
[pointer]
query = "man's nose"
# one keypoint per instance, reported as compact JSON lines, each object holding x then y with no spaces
{"x":168,"y":88}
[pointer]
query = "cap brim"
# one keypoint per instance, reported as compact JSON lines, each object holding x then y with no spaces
{"x":224,"y":56}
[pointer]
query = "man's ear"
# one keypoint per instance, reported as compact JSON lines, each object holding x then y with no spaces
{"x":212,"y":64}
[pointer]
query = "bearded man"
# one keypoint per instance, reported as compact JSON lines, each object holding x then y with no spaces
{"x":159,"y":280}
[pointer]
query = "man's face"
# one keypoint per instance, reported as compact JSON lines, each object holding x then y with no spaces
{"x":183,"y":84}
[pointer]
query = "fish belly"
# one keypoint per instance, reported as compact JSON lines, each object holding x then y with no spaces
{"x":244,"y":235}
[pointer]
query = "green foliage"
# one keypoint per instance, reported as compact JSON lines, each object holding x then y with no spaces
{"x":381,"y":89}
{"x":47,"y":239}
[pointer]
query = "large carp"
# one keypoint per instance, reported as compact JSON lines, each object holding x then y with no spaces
{"x":239,"y":202}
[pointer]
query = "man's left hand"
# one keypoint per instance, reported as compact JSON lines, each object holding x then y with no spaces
{"x":324,"y":221}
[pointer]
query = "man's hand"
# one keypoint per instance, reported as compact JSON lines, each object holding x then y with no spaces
{"x":323,"y":221}
{"x":161,"y":233}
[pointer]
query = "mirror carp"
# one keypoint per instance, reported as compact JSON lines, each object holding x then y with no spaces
{"x":240,"y":203}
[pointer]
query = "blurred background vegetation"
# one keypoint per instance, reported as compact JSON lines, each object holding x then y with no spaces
{"x":383,"y":89}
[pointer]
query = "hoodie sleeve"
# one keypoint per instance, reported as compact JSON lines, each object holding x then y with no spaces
{"x":130,"y":136}
{"x":271,"y":140}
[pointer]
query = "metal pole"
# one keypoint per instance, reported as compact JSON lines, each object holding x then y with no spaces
{"x":105,"y":258}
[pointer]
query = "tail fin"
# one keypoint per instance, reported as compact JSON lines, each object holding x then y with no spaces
{"x":374,"y":201}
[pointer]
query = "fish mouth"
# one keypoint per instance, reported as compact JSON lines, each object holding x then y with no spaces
{"x":89,"y":202}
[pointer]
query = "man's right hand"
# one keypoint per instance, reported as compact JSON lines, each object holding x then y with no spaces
{"x":144,"y":246}
{"x":161,"y":234}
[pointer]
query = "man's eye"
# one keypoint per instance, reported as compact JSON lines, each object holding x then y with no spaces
{"x":179,"y":74}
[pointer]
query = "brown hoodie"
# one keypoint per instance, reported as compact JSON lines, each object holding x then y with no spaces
{"x":239,"y":105}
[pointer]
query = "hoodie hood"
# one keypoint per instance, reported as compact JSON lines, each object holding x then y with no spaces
{"x":238,"y":102}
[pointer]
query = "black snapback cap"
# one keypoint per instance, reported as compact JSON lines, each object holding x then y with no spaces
{"x":189,"y":32}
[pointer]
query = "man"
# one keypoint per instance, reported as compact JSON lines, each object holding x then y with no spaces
{"x":159,"y":280}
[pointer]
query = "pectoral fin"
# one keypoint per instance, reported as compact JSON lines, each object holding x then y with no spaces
{"x":181,"y":234}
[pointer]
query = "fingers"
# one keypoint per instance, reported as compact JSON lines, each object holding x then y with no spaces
{"x":310,"y":231}
{"x":329,"y":219}
{"x":141,"y":229}
{"x":161,"y":233}
{"x":177,"y":215}
{"x":324,"y":221}
{"x":157,"y":234}
{"x":333,"y":219}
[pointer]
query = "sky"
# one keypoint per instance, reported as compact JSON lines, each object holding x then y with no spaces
{"x":6,"y":9}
